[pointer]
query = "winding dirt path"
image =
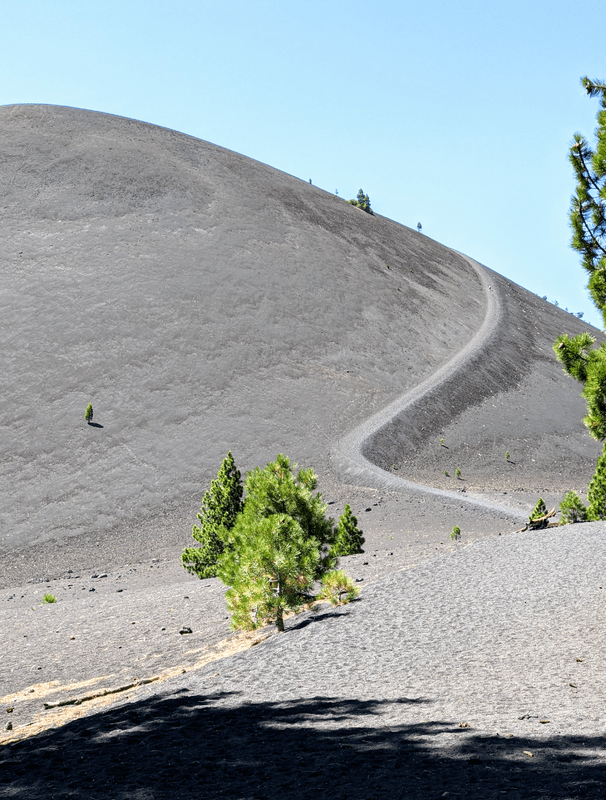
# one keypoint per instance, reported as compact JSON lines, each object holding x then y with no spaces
{"x":347,"y":457}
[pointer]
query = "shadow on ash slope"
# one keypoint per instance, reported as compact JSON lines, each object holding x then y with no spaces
{"x":503,"y":391}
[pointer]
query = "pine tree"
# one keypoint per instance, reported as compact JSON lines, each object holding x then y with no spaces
{"x":349,"y":537}
{"x":269,"y":571}
{"x":588,"y":222}
{"x":539,"y":510}
{"x":536,"y":520}
{"x":596,"y":493}
{"x":281,"y":542}
{"x":588,"y":204}
{"x":572,"y":509}
{"x":88,"y":414}
{"x":221,"y":505}
{"x":362,"y":201}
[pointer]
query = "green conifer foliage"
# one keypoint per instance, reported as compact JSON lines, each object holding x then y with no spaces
{"x":269,"y":571}
{"x":572,"y":509}
{"x":338,"y":588}
{"x":221,"y":505}
{"x":362,"y":201}
{"x":349,"y":536}
{"x":88,"y":414}
{"x":281,"y":542}
{"x":588,"y":204}
{"x":589,"y":367}
{"x":588,"y":223}
{"x":539,"y":510}
{"x":596,"y":493}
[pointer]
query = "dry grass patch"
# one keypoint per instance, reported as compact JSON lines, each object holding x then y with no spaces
{"x":77,"y":707}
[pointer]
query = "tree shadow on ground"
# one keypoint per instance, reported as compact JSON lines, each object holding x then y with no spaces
{"x":190,"y":745}
{"x":94,"y":425}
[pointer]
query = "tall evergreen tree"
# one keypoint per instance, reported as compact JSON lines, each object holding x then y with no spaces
{"x":588,"y":204}
{"x":596,"y":493}
{"x":588,"y":222}
{"x":221,"y":505}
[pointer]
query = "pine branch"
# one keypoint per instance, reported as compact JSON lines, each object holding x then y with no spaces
{"x":594,"y":88}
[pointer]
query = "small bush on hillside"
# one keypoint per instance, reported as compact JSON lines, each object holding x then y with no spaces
{"x":572,"y":509}
{"x":49,"y":598}
{"x":88,"y":414}
{"x":270,"y":548}
{"x":338,"y":588}
{"x":456,"y":533}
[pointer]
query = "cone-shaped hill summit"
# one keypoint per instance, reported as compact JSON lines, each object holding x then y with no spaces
{"x":204,"y":302}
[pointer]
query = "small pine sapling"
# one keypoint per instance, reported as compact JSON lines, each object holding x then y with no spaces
{"x":446,"y":473}
{"x":506,"y":455}
{"x":442,"y":442}
{"x":538,"y":516}
{"x":49,"y":598}
{"x":455,"y":534}
{"x":338,"y":588}
{"x":349,"y":537}
{"x":88,"y":414}
{"x":572,"y":509}
{"x":458,"y":472}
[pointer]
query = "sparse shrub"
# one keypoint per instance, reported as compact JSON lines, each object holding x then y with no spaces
{"x":338,"y":588}
{"x":362,"y":201}
{"x":49,"y":598}
{"x":458,"y":472}
{"x":506,"y":455}
{"x":442,"y":441}
{"x":456,"y":533}
{"x":446,"y":473}
{"x":88,"y":414}
{"x":572,"y":509}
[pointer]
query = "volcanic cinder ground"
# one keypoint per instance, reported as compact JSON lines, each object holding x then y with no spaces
{"x":204,"y":302}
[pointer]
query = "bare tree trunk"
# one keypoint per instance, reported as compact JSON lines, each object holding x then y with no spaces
{"x":280,"y":620}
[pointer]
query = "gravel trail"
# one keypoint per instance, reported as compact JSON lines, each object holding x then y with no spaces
{"x":348,"y":458}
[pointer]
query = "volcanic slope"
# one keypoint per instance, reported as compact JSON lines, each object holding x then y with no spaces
{"x":205,"y":302}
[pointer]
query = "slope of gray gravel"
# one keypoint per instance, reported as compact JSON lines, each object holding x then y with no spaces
{"x":485,"y":634}
{"x":477,"y":673}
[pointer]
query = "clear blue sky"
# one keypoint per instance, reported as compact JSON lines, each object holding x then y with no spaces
{"x":457,"y":115}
